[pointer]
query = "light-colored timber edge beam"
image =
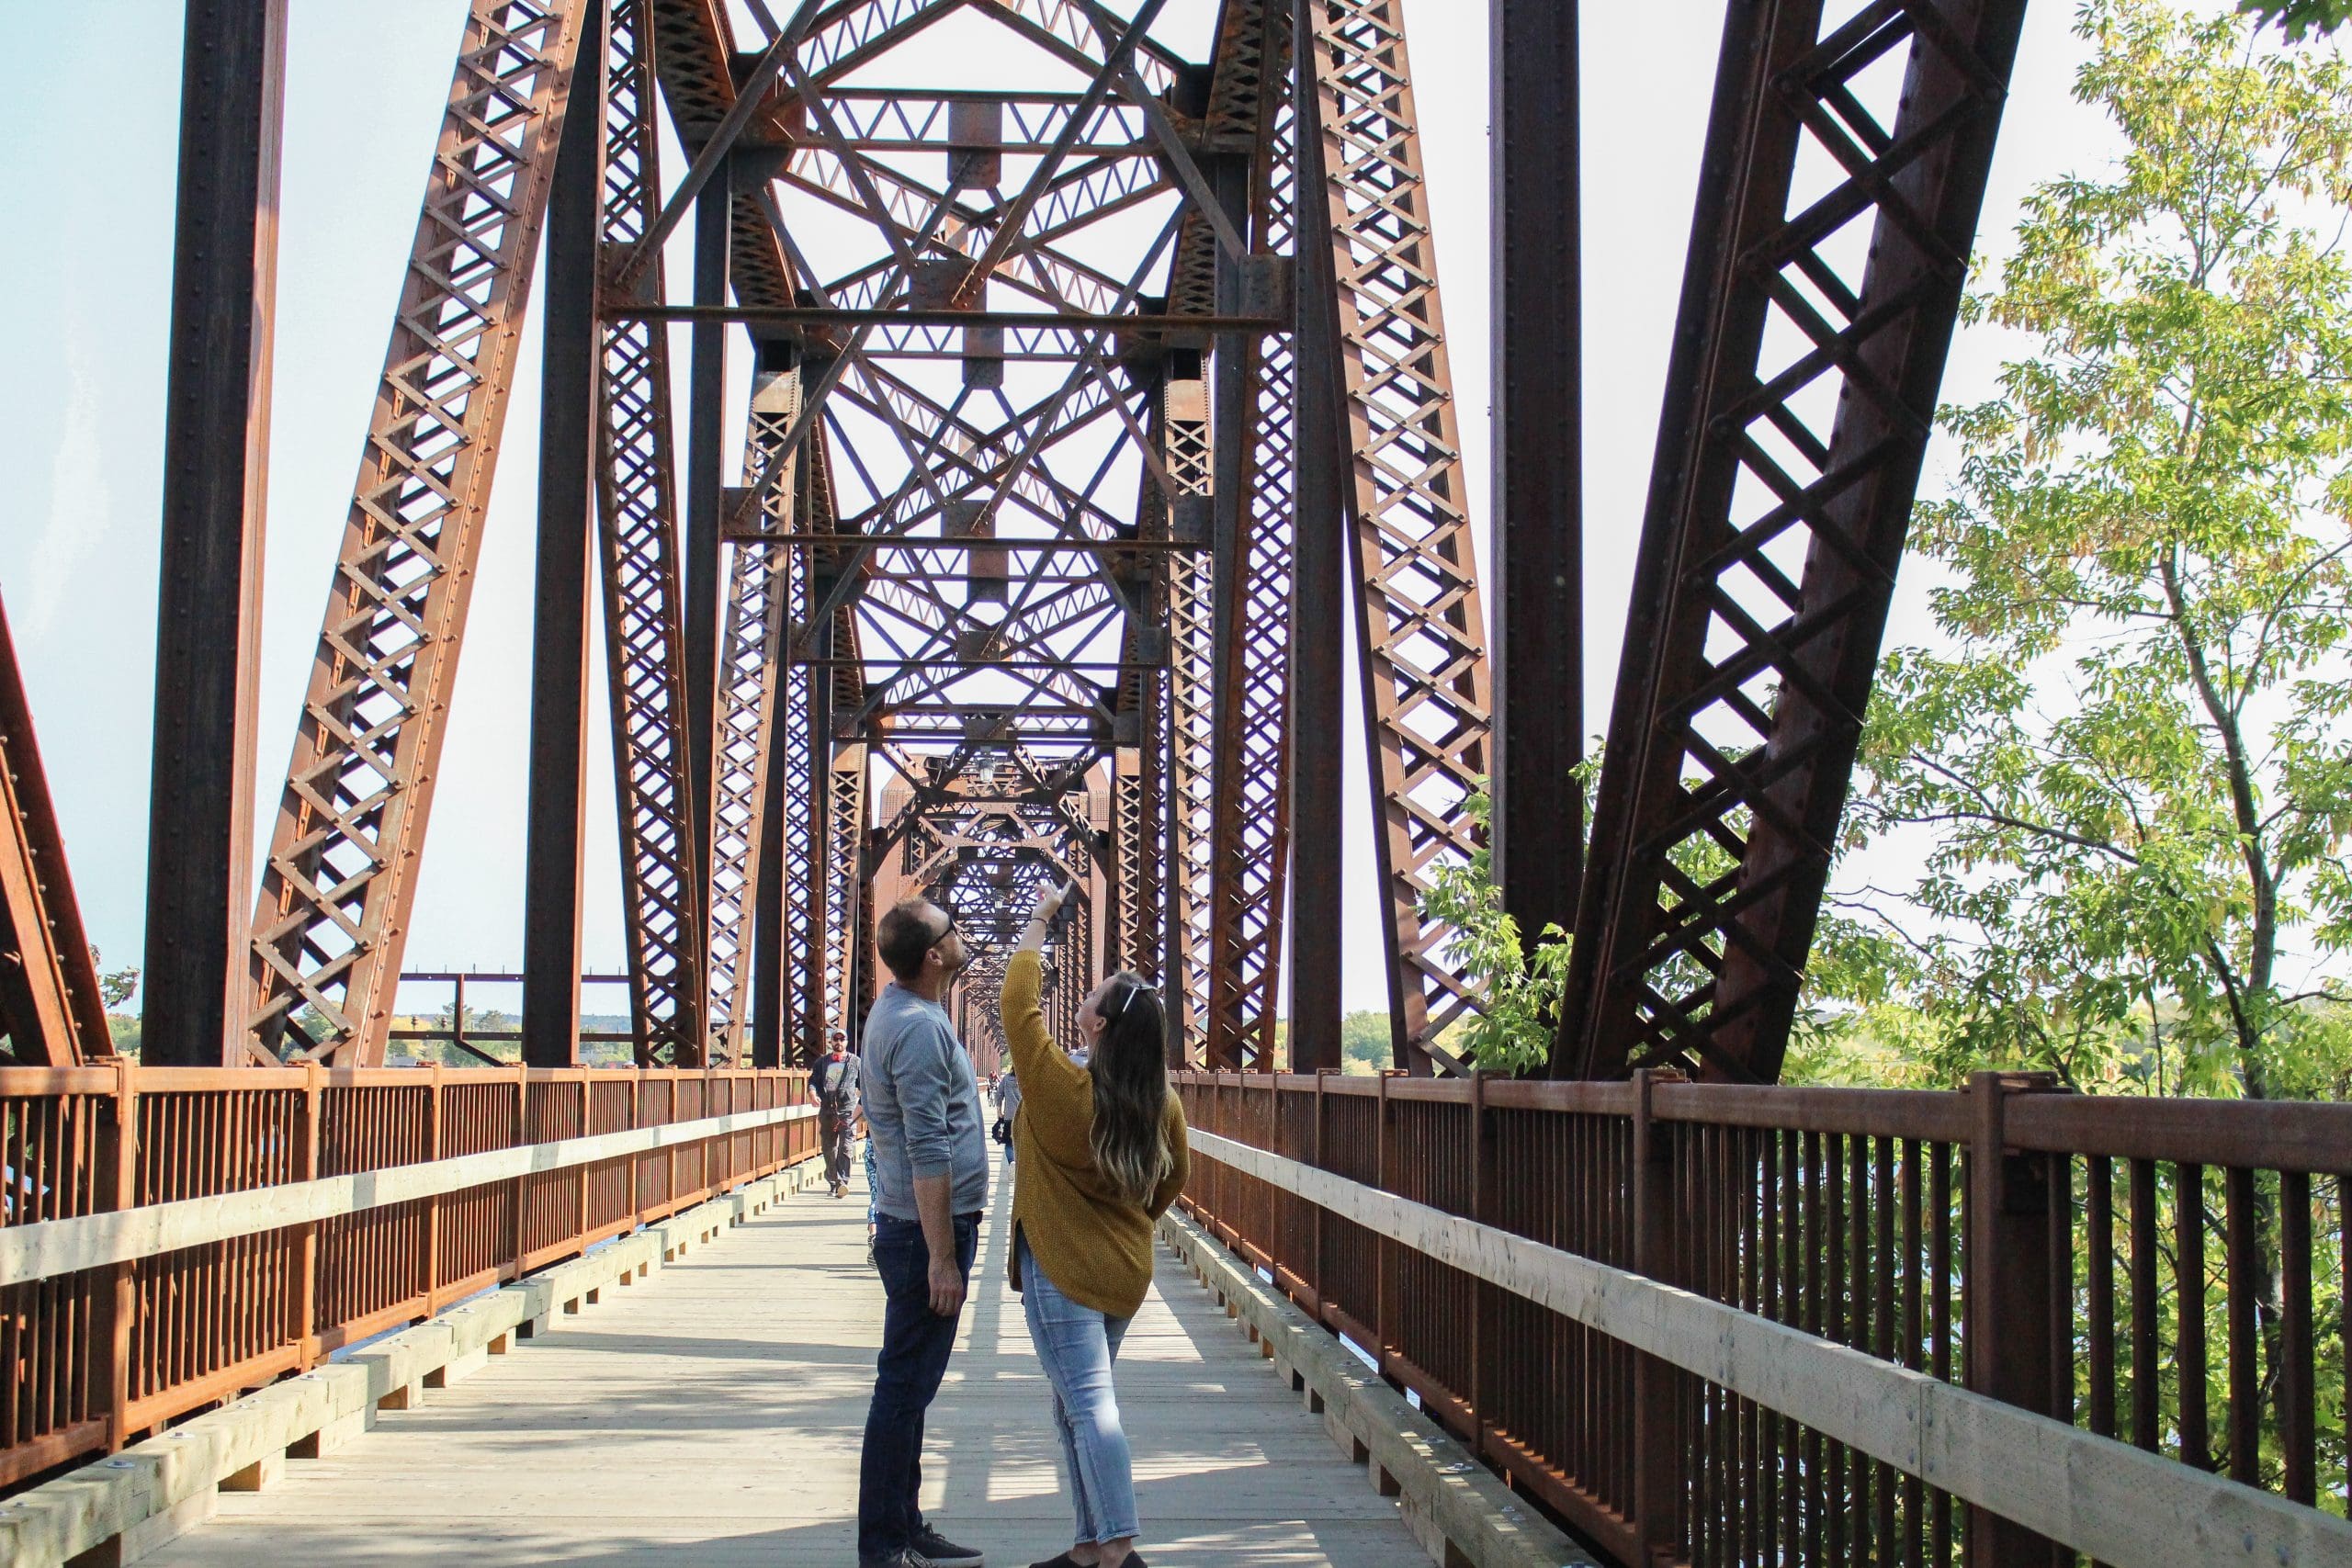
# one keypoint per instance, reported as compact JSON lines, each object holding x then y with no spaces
{"x":156,"y":1490}
{"x":51,"y":1247}
{"x":2117,"y":1504}
{"x":1460,"y":1511}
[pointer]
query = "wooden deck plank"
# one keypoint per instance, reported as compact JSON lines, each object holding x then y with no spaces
{"x":711,"y":1415}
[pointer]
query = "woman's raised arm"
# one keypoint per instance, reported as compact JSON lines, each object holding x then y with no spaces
{"x":1050,"y":899}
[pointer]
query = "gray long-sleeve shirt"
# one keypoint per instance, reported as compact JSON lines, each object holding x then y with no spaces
{"x":923,"y":1105}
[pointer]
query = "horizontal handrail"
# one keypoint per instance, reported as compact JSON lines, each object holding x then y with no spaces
{"x":2304,"y":1135}
{"x":170,"y":1236}
{"x":47,"y":1248}
{"x":2115,"y":1503}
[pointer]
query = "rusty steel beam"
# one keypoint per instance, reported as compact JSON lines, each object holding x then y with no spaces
{"x":557,"y":794}
{"x":846,"y":790}
{"x":705,"y":484}
{"x":1254,"y":511}
{"x":50,"y":1008}
{"x":644,"y":591}
{"x":216,"y":461}
{"x":1538,"y":538}
{"x":760,"y":599}
{"x":1318,"y":675}
{"x":1420,"y":632}
{"x":341,"y":876}
{"x":1771,"y":544}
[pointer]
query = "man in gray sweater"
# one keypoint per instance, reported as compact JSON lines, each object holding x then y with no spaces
{"x":923,"y":1112}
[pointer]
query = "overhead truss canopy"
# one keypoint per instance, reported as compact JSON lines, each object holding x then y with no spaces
{"x":1018,"y":493}
{"x":1071,"y":390}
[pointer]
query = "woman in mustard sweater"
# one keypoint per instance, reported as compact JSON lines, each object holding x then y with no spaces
{"x":1101,"y":1154}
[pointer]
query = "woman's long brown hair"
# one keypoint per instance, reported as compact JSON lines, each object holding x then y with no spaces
{"x":1130,"y":1070}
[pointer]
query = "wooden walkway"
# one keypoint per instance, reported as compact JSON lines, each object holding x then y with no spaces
{"x":711,"y":1415}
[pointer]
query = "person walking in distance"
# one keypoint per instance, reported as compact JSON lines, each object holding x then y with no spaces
{"x":922,"y":1114}
{"x":838,"y":1083}
{"x":1103,"y":1153}
{"x":1007,"y":1109}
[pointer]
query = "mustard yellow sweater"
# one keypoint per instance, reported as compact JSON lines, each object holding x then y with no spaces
{"x":1092,"y":1244}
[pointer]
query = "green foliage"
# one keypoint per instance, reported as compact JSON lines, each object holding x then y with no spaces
{"x":1366,"y":1044}
{"x":115,"y":986}
{"x":2301,"y":18}
{"x":2132,"y":764}
{"x":1513,"y":1032}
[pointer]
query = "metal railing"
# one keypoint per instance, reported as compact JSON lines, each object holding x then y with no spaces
{"x":2168,"y":1273}
{"x":467,"y":1036}
{"x":98,"y":1356}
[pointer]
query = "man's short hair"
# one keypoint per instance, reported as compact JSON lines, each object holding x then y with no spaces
{"x":904,"y":935}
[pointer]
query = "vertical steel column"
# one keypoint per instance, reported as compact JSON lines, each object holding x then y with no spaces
{"x":769,"y":1024}
{"x":559,"y":764}
{"x":705,"y":421}
{"x":216,"y":462}
{"x":1318,"y":575}
{"x":1538,"y":538}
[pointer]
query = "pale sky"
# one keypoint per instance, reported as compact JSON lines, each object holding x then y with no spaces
{"x":88,"y":111}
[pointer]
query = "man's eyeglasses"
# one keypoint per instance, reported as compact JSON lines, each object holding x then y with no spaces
{"x":951,"y":930}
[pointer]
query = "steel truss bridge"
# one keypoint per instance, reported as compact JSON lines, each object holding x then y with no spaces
{"x":1088,"y":411}
{"x":1095,"y":403}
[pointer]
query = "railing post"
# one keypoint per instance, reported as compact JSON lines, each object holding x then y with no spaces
{"x":1274,"y":1130}
{"x":1379,"y":1242}
{"x":1322,"y":1301}
{"x":2007,"y":1285}
{"x":1482,"y":1190}
{"x":516,"y":1235}
{"x":636,"y":1122}
{"x":1659,"y":1474}
{"x":580,"y":1185}
{"x":116,"y":1187}
{"x":670,"y":1155}
{"x":306,"y":1287}
{"x":432,"y":1206}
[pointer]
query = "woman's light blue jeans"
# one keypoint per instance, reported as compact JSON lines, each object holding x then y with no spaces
{"x":1077,"y":1346}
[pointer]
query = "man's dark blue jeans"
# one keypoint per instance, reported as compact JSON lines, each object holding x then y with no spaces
{"x":915,"y":1346}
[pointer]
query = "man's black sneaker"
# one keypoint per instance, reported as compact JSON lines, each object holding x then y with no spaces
{"x":928,"y":1548}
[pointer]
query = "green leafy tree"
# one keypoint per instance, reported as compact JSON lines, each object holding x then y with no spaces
{"x":2301,"y":18}
{"x":1366,"y":1045}
{"x":115,"y":987}
{"x":1513,"y":1032}
{"x":2130,"y":760}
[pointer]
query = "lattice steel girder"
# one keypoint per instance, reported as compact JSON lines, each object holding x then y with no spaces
{"x":760,"y":603}
{"x":1421,"y":650}
{"x":341,"y":876}
{"x":50,"y":1008}
{"x":1770,"y":549}
{"x":846,"y":793}
{"x":1256,"y":518}
{"x":644,"y":596}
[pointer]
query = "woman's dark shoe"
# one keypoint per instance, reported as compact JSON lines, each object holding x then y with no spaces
{"x":1061,"y":1560}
